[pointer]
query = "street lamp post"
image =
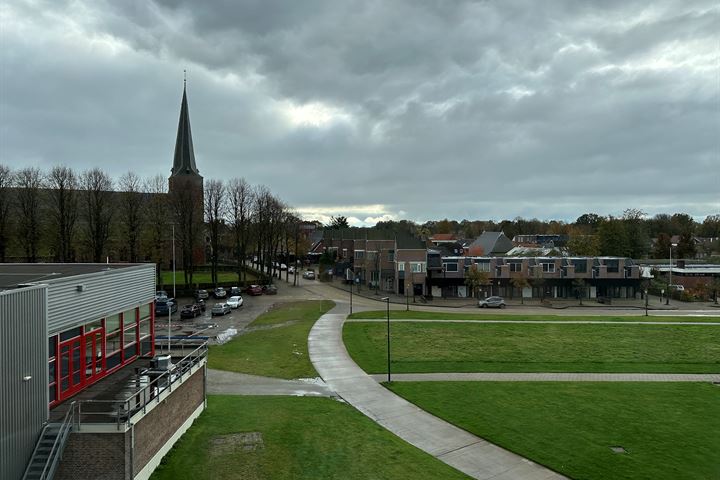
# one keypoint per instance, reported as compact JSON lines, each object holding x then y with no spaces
{"x":667,"y":298}
{"x":174,"y":289}
{"x":646,"y":302}
{"x":387,"y":300}
{"x":351,"y":287}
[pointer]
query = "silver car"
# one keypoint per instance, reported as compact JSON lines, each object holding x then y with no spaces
{"x":220,"y":309}
{"x":492,"y":302}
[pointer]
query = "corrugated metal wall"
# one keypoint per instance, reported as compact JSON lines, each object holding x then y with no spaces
{"x":105,"y":293}
{"x":23,"y":352}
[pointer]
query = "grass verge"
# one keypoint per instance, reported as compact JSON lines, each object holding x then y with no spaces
{"x":468,"y":347}
{"x":203,"y":277}
{"x":296,"y":438}
{"x":419,"y":315}
{"x":670,"y":430}
{"x":277,"y":351}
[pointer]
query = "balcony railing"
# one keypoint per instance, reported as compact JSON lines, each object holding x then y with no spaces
{"x":119,"y":411}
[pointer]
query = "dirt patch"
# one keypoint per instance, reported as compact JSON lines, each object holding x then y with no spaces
{"x":236,"y":443}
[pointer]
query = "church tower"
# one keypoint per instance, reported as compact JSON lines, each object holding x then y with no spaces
{"x":186,"y":194}
{"x":184,"y":173}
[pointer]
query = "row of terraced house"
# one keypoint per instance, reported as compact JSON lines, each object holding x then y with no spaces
{"x":406,"y":265}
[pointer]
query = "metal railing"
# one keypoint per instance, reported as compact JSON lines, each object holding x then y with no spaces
{"x":53,"y":456}
{"x":122,"y":410}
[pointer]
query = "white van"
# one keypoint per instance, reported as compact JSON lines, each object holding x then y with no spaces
{"x":679,"y":288}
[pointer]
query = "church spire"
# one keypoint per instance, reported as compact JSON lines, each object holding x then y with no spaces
{"x":184,"y":162}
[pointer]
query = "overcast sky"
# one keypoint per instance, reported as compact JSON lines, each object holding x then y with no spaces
{"x":381,"y":109}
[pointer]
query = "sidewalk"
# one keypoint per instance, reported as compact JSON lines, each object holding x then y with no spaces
{"x":468,"y":453}
{"x":550,"y":377}
{"x":549,"y":304}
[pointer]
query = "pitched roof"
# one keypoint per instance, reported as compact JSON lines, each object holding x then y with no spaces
{"x":184,"y":161}
{"x":490,"y":243}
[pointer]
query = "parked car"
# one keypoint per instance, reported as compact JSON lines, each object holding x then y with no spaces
{"x":254,"y":290}
{"x":220,"y":309}
{"x":235,"y":292}
{"x":201,"y":303}
{"x":165,"y":306}
{"x":235,"y":301}
{"x":219,"y":292}
{"x":160,"y":294}
{"x":291,"y":269}
{"x":679,"y":288}
{"x":190,"y":311}
{"x":494,"y":302}
{"x":309,"y":274}
{"x":202,"y":294}
{"x":269,"y":290}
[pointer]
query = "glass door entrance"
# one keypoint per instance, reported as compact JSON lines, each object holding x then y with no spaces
{"x":71,"y":367}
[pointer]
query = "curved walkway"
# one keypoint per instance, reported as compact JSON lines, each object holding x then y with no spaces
{"x":549,"y":377}
{"x":468,"y":453}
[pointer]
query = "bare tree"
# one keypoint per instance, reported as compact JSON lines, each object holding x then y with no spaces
{"x":240,"y":205}
{"x":96,"y":186}
{"x":6,"y":180}
{"x":63,"y":184}
{"x":187,"y":209}
{"x":29,"y":182}
{"x":131,"y":212}
{"x":156,"y":214}
{"x":214,"y":212}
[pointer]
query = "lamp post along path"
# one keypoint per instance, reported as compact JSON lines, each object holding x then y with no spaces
{"x":387,"y":300}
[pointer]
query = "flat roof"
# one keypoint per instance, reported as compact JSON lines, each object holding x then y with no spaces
{"x":12,"y":275}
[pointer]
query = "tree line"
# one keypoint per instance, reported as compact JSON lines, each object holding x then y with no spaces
{"x":591,"y":234}
{"x":62,"y":215}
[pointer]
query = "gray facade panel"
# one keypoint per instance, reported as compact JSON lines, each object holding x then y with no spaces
{"x":23,"y":353}
{"x":76,"y":300}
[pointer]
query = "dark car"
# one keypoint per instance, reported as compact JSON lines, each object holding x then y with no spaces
{"x":220,"y":292}
{"x":202,"y":294}
{"x":165,"y":306}
{"x":190,"y":311}
{"x":269,"y":290}
{"x":254,"y":290}
{"x":160,"y":294}
{"x":234,"y":292}
{"x":492,"y":302}
{"x":201,"y":304}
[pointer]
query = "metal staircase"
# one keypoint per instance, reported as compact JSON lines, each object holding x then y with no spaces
{"x":49,"y":448}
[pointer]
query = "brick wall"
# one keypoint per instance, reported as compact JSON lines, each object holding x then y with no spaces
{"x":154,"y":430}
{"x":95,"y":455}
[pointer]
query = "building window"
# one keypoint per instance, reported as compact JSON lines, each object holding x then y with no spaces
{"x":72,"y":333}
{"x":371,"y":255}
{"x":482,"y":266}
{"x":450,"y":267}
{"x":391,"y":255}
{"x":515,"y":267}
{"x":548,"y":267}
{"x":580,"y":266}
{"x":613,"y":266}
{"x":359,"y":254}
{"x":417,"y":267}
{"x":401,"y":266}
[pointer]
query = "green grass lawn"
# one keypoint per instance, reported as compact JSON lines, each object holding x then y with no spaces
{"x":276,"y":352}
{"x":202,"y":277}
{"x":670,"y":430}
{"x":467,"y":347}
{"x":302,"y":438}
{"x":482,"y":315}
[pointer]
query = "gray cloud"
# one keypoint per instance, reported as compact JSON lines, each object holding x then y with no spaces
{"x":475,"y":110}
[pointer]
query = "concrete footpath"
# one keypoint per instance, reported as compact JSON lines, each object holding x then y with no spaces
{"x":232,"y":383}
{"x":549,"y":377}
{"x":467,"y":453}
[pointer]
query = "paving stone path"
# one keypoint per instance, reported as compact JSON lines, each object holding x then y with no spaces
{"x":468,"y":453}
{"x":549,"y":377}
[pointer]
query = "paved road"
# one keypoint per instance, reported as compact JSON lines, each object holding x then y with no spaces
{"x":468,"y":453}
{"x":549,"y":377}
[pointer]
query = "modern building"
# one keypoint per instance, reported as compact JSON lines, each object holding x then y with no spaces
{"x":77,"y":339}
